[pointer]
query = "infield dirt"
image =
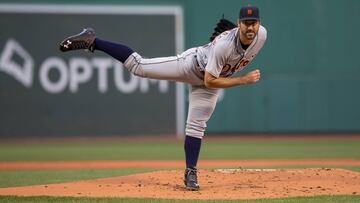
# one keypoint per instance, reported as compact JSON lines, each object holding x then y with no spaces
{"x":215,"y":184}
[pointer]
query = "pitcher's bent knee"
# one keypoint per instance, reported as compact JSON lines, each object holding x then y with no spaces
{"x":195,"y":130}
{"x":133,"y":64}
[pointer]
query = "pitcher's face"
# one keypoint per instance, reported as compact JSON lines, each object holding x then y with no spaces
{"x":249,"y":28}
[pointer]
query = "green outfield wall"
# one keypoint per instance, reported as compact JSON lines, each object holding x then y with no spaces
{"x":48,"y":93}
{"x":310,"y":72}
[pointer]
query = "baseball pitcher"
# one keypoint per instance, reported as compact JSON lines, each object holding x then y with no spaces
{"x":206,"y":69}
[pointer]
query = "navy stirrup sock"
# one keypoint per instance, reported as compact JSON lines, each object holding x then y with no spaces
{"x":118,"y":51}
{"x":192,"y":147}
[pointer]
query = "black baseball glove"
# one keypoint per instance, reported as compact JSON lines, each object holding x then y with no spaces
{"x":222,"y":26}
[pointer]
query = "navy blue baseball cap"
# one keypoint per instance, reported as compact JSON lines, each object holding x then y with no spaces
{"x":249,"y":13}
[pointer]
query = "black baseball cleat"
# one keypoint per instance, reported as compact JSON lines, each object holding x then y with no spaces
{"x":190,"y":179}
{"x":83,"y":40}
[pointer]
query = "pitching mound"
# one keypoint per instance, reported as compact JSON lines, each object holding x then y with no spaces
{"x":215,"y":184}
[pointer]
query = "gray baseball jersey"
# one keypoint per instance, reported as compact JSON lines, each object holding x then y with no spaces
{"x":221,"y":58}
{"x":224,"y":56}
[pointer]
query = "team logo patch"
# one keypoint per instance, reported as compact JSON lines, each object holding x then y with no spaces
{"x":249,"y":12}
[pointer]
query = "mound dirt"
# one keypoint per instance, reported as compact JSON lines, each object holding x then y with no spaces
{"x":215,"y":184}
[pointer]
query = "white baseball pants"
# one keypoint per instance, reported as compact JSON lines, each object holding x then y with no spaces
{"x":180,"y":68}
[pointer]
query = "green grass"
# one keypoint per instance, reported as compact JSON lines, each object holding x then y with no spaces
{"x":35,"y":177}
{"x":174,"y":151}
{"x":319,"y":199}
{"x":282,"y":149}
{"x":238,"y":149}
